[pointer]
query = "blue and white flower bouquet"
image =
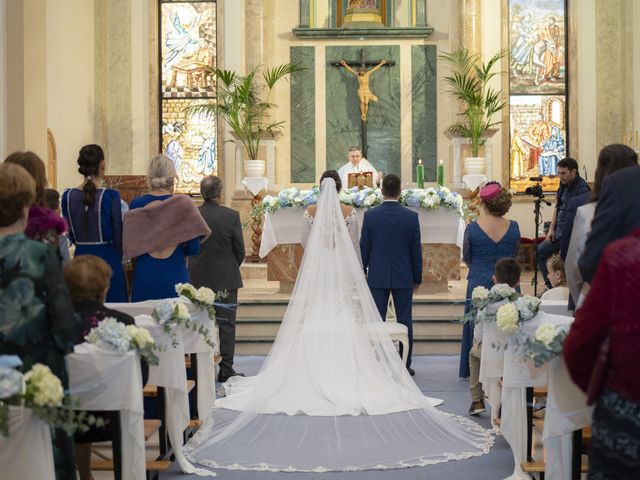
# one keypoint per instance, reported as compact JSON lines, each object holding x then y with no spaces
{"x":204,"y":298}
{"x":545,"y":344}
{"x":511,"y":315}
{"x":125,"y":338}
{"x":171,"y":315}
{"x":481,"y":298}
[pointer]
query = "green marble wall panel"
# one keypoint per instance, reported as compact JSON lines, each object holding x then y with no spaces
{"x":303,"y":116}
{"x":424,"y":142}
{"x":343,"y":108}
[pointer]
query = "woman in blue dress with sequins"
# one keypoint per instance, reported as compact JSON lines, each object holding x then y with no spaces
{"x":95,"y":219}
{"x":156,"y":273}
{"x":486,"y":240}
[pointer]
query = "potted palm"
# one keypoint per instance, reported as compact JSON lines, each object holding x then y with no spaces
{"x":468,"y":82}
{"x":244,"y":105}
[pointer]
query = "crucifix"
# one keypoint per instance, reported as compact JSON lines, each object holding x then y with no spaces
{"x":363,"y":70}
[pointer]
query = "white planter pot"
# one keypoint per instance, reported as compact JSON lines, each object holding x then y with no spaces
{"x":254,"y":168}
{"x":474,"y":165}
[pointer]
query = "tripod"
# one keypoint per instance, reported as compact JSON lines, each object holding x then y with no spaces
{"x":537,"y":218}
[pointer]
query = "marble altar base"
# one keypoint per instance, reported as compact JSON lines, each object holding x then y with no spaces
{"x":440,"y":263}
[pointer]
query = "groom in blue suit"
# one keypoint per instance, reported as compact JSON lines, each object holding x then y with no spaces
{"x":392,"y":255}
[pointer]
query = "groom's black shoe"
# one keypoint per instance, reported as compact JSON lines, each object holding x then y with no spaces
{"x":224,"y":376}
{"x":411,"y":371}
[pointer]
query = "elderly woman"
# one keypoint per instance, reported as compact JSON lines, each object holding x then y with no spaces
{"x":88,"y":279}
{"x":488,"y":239}
{"x":160,"y":231}
{"x":610,"y":311}
{"x":37,"y":321}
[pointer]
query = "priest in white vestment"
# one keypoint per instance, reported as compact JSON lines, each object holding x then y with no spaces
{"x":357,"y":164}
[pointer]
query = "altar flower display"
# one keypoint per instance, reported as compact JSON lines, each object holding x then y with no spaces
{"x":171,"y":315}
{"x":428,"y":198}
{"x":124,"y":338}
{"x":41,"y":391}
{"x":545,"y":344}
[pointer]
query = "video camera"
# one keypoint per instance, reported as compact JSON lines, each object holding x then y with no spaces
{"x":535,"y":190}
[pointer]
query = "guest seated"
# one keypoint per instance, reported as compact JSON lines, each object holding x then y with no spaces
{"x":160,"y":231}
{"x":507,"y":271}
{"x":610,"y":314}
{"x":555,"y":269}
{"x":88,"y":278}
{"x":37,"y":322}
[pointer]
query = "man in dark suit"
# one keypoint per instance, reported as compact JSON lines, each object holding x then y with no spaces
{"x":392,"y":255}
{"x":617,"y":214}
{"x":217,"y":266}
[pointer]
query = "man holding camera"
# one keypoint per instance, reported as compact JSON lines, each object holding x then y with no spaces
{"x":571,"y":184}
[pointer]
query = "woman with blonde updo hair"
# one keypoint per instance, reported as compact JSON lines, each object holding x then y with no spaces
{"x":37,"y":321}
{"x":95,"y":218}
{"x":486,"y":240}
{"x":160,"y":231}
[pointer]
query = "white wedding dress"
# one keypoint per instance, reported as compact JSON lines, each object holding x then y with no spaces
{"x":333,"y":394}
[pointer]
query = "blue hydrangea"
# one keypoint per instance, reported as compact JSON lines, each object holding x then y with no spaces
{"x":11,"y":383}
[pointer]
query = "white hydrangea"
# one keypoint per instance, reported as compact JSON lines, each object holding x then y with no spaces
{"x":140,"y":336}
{"x":479,"y":293}
{"x":370,"y":200}
{"x":502,"y":290}
{"x":430,"y":201}
{"x":444,"y":190}
{"x":546,"y":333}
{"x":205,"y":295}
{"x":182,"y":288}
{"x":181,"y":311}
{"x":43,"y":386}
{"x":507,"y":318}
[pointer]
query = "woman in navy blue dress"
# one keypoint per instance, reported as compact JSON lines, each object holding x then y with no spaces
{"x":95,"y":219}
{"x":486,"y":240}
{"x":157,"y":273}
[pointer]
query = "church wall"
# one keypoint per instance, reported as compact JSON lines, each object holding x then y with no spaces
{"x":70,"y":92}
{"x":3,"y":81}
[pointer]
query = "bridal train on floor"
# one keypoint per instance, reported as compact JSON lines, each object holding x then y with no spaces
{"x":333,"y":393}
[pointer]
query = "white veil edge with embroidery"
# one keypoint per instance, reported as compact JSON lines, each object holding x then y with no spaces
{"x":333,"y":394}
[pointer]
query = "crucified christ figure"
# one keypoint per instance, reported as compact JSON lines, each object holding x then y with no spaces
{"x":364,"y":93}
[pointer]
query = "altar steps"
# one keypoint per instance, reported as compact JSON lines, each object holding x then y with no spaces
{"x":435,"y":324}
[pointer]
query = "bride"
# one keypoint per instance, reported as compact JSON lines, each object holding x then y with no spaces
{"x":333,"y":394}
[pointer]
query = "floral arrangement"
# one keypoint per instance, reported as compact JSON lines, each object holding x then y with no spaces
{"x":481,"y":298}
{"x":203,"y":297}
{"x":429,"y":198}
{"x":175,"y":314}
{"x":124,"y":338}
{"x":511,"y":315}
{"x":40,"y":390}
{"x":545,"y":345}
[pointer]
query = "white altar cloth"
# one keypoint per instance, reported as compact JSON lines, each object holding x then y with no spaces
{"x":441,"y":225}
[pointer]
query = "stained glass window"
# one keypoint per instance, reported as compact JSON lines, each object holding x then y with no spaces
{"x":187,"y":52}
{"x":538,"y":91}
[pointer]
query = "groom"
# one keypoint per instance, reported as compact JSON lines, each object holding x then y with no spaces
{"x":392,"y":255}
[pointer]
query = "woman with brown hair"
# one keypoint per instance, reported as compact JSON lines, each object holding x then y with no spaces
{"x":44,"y":225}
{"x":95,"y":217}
{"x":37,"y":321}
{"x":486,"y":240}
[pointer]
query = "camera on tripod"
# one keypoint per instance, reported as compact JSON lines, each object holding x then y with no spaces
{"x":535,"y":190}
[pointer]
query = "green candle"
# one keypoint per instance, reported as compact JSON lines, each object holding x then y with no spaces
{"x":440,"y":177}
{"x":420,"y":174}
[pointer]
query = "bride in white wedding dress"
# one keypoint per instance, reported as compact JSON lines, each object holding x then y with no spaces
{"x":333,"y":394}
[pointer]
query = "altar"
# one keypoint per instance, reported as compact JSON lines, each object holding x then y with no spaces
{"x":441,"y":231}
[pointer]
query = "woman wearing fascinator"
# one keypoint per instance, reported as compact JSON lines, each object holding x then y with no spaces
{"x":486,"y":240}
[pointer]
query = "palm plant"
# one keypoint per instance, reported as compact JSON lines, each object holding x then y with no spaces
{"x":469,"y":84}
{"x":239,"y":103}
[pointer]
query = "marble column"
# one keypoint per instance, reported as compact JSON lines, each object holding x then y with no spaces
{"x":254,"y":31}
{"x":614,"y":70}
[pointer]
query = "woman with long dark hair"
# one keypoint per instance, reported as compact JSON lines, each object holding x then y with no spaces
{"x":95,"y":218}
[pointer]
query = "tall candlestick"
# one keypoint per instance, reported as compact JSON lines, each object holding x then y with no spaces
{"x":420,"y":174}
{"x":440,"y":177}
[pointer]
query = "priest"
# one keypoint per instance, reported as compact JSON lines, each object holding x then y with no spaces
{"x":357,"y":164}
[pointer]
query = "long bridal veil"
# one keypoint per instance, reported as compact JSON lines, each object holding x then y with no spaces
{"x":333,"y":393}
